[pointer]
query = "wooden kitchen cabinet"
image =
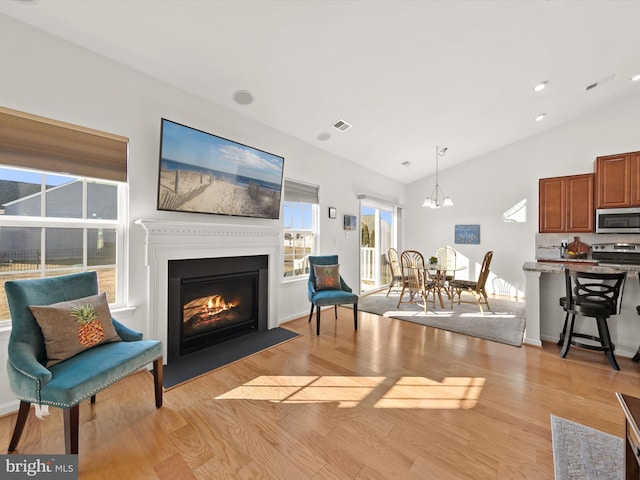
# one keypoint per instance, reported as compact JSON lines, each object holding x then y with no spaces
{"x":565,"y":204}
{"x":618,"y":180}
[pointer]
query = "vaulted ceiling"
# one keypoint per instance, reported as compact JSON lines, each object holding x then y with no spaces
{"x":407,"y":75}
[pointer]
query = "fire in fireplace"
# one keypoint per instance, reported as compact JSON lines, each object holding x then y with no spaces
{"x":216,"y":307}
{"x":205,"y":311}
{"x":213,"y":300}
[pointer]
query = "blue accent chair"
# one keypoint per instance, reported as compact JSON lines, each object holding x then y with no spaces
{"x":66,"y":384}
{"x":320,"y":298}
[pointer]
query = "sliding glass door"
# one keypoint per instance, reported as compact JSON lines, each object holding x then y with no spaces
{"x":377,"y":235}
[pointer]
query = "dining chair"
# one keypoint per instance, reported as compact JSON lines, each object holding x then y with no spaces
{"x":475,"y":288}
{"x":591,"y":294}
{"x":394,"y":266}
{"x":415,"y":279}
{"x":326,"y":286}
{"x":447,"y":258}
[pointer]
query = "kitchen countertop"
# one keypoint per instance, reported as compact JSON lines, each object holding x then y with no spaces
{"x":581,"y":265}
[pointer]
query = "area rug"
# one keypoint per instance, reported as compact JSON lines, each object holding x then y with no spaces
{"x":216,"y":356}
{"x":504,"y":323}
{"x":581,"y":452}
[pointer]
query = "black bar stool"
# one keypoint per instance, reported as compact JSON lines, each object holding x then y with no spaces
{"x":636,"y":357}
{"x":591,"y":294}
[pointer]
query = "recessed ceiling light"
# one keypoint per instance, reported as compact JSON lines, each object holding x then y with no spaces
{"x":324,"y":136}
{"x":540,"y":117}
{"x":242,"y":97}
{"x":635,"y":78}
{"x":541,"y":86}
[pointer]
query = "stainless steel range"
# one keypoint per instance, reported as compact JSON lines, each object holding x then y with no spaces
{"x":616,"y":253}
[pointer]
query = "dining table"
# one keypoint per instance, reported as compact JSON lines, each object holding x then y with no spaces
{"x":438,"y":273}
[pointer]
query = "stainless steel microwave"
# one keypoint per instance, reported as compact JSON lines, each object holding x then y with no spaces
{"x":618,"y":220}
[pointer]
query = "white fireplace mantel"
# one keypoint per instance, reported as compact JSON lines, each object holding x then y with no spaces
{"x":185,"y":240}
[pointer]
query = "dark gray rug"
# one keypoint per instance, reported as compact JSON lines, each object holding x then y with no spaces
{"x":503,"y":324}
{"x":581,"y":452}
{"x":216,"y":356}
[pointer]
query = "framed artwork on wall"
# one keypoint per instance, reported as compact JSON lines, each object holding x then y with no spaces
{"x":349,"y":222}
{"x":467,"y":234}
{"x":203,"y":173}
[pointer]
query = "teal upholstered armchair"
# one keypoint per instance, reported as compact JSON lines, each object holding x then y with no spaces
{"x":68,"y":382}
{"x":332,"y":291}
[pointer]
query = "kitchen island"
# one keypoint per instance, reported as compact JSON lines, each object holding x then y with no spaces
{"x":544,"y":316}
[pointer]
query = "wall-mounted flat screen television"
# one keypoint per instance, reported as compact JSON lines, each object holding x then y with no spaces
{"x":203,"y":173}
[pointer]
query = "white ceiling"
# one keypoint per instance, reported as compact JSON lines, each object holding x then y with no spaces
{"x":408,"y":75}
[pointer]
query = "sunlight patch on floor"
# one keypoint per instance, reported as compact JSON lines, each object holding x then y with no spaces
{"x":488,"y":315}
{"x":452,"y":393}
{"x":349,"y":391}
{"x":417,"y":313}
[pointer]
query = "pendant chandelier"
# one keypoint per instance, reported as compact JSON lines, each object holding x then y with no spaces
{"x":437,"y":198}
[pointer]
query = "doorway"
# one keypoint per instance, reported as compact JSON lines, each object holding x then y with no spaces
{"x":378,"y":224}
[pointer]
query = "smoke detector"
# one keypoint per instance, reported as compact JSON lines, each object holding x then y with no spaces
{"x":242,"y":97}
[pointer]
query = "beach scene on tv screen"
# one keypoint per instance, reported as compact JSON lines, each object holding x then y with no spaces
{"x":204,"y":173}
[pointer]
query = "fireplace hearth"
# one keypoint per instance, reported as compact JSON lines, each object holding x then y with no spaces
{"x":212,"y":300}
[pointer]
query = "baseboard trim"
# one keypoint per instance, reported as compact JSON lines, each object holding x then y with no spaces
{"x":9,"y":408}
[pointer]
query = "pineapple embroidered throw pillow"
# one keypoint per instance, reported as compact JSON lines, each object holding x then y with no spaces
{"x":74,"y":326}
{"x":327,"y":277}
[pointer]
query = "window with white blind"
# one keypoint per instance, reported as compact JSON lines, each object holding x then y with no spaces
{"x":300,"y":227}
{"x":55,"y":223}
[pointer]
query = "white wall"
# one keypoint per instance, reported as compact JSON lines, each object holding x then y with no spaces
{"x":47,"y":76}
{"x":485,"y":187}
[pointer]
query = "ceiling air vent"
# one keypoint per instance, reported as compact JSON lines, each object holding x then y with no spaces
{"x":598,"y":83}
{"x":342,"y":125}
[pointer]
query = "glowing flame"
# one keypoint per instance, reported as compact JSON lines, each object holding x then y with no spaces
{"x":216,"y":305}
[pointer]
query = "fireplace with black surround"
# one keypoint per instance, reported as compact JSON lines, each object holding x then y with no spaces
{"x":212,"y":300}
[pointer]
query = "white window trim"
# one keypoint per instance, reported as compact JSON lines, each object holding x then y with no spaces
{"x":315,"y":222}
{"x":120,"y":226}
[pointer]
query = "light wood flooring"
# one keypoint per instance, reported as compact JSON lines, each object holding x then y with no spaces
{"x":395,"y":400}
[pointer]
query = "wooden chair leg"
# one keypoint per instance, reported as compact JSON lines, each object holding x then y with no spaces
{"x":479,"y":301}
{"x":311,"y":312}
{"x":318,"y":321}
{"x":486,"y":300}
{"x":455,"y":292}
{"x":157,"y":380}
{"x":401,"y":295}
{"x":71,"y":423}
{"x":355,"y":316}
{"x":21,"y":420}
